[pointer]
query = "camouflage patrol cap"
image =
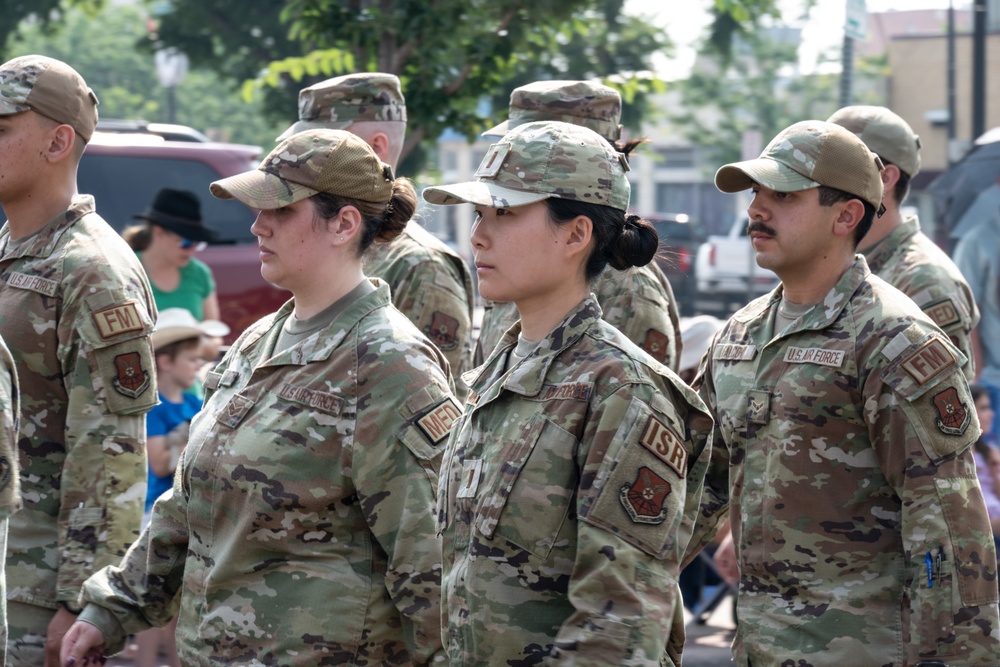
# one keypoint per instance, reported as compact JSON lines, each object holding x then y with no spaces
{"x":51,"y":88}
{"x":806,"y":155}
{"x":885,"y":133}
{"x":336,"y":103}
{"x":585,"y":103}
{"x":540,"y":160}
{"x":331,"y":161}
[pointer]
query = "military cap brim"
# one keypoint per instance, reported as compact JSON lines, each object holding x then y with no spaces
{"x":497,"y":130}
{"x":482,"y":193}
{"x":766,"y":171}
{"x":261,"y":190}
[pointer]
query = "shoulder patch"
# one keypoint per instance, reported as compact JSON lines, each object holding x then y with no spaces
{"x":443,"y":331}
{"x":664,"y":443}
{"x":943,"y":312}
{"x":131,"y":379}
{"x":953,"y":415}
{"x":116,"y":320}
{"x":656,"y":345}
{"x":437,"y":423}
{"x":928,"y":361}
{"x":644,"y":499}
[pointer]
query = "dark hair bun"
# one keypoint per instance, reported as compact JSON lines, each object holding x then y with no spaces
{"x":635,"y":245}
{"x":399,"y":210}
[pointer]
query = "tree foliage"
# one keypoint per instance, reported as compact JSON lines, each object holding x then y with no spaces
{"x":102,"y":47}
{"x":44,"y":15}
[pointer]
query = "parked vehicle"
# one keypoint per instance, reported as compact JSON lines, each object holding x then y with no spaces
{"x":679,"y":241}
{"x":124,"y":170}
{"x":726,"y":272}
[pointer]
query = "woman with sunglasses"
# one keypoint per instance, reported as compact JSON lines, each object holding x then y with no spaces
{"x":565,"y":483}
{"x":300,"y":527}
{"x":166,"y":244}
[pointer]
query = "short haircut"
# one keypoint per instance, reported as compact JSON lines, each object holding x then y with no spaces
{"x":829,"y":196}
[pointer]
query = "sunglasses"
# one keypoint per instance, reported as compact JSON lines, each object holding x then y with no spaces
{"x":197,"y":245}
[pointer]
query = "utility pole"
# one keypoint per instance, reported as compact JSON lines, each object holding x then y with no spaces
{"x":855,"y":27}
{"x":978,"y":69}
{"x":951,"y":81}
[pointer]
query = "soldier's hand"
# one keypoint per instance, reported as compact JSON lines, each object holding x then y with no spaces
{"x":82,"y":646}
{"x":725,"y":561}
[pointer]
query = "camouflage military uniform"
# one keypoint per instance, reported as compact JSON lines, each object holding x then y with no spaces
{"x":432,"y":285}
{"x":843,"y":444}
{"x":913,"y":264}
{"x":300,"y":525}
{"x":639,"y":302}
{"x":76,"y":311}
{"x":10,"y":488}
{"x":562,"y":490}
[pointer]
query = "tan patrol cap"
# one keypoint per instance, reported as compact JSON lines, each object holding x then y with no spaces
{"x":51,"y":88}
{"x":807,"y":155}
{"x":585,"y":103}
{"x":885,"y":133}
{"x":336,"y":103}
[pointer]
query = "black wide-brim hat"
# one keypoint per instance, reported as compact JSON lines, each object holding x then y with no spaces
{"x":180,"y":212}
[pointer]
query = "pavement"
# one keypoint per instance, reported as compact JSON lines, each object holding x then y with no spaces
{"x":707,"y":643}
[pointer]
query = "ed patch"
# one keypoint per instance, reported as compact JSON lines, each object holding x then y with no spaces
{"x":437,"y":423}
{"x":131,"y":378}
{"x":443,"y":330}
{"x":944,"y":313}
{"x":644,"y":498}
{"x":953,"y":415}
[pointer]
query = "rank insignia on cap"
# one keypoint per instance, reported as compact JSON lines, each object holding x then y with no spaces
{"x":953,"y":415}
{"x":131,"y":379}
{"x":490,"y":166}
{"x":443,"y":330}
{"x":643,"y":499}
{"x":655,"y":344}
{"x":437,"y":423}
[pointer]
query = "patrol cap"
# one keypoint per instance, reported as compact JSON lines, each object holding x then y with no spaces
{"x":331,"y":161}
{"x":806,"y":155}
{"x":540,"y":160}
{"x":885,"y":133}
{"x":51,"y":88}
{"x":336,"y":103}
{"x":585,"y":103}
{"x":175,"y":324}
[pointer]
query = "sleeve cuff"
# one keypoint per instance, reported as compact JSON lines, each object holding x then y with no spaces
{"x":104,"y":620}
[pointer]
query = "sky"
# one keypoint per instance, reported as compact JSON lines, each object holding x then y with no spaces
{"x":685,"y":20}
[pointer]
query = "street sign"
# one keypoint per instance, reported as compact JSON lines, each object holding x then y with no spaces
{"x":856,"y":19}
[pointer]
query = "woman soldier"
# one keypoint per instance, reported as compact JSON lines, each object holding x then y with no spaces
{"x":300,"y":527}
{"x":567,"y":479}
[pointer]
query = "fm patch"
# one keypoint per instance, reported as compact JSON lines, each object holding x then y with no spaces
{"x":927,"y":362}
{"x":443,"y":330}
{"x":131,"y":379}
{"x":667,"y":447}
{"x":656,"y":345}
{"x":953,"y":415}
{"x":437,"y":423}
{"x":117,"y":320}
{"x":643,"y":499}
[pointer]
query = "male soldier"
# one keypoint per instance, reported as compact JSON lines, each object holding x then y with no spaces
{"x":638,"y":302}
{"x":76,"y":311}
{"x":10,"y":488}
{"x":430,"y":283}
{"x":896,"y":250}
{"x":843,"y":432}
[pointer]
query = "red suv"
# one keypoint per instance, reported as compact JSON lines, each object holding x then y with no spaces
{"x":124,"y":171}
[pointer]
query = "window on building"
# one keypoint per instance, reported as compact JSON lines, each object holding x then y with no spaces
{"x":676,"y":157}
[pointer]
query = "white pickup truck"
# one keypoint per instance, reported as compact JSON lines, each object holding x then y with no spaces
{"x":726,"y":272}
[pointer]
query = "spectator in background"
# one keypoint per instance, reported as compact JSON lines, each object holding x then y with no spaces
{"x":988,"y":458}
{"x":177,"y":345}
{"x":978,"y":258}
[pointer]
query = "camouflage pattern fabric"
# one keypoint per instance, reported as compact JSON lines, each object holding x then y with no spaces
{"x":916,"y":266}
{"x":300,"y":526}
{"x":336,"y":103}
{"x":638,"y":302}
{"x":592,"y":105}
{"x":432,"y":285}
{"x":563,"y":497}
{"x":843,"y":446}
{"x":76,"y":312}
{"x":10,"y":488}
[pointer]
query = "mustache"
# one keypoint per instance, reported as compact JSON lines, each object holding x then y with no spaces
{"x":758,"y":226}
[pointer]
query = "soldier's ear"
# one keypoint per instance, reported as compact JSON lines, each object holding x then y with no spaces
{"x":61,"y":139}
{"x":849,"y":214}
{"x":380,"y":144}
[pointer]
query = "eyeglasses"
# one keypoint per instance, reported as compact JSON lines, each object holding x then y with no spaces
{"x":197,"y":245}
